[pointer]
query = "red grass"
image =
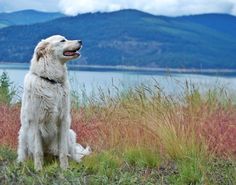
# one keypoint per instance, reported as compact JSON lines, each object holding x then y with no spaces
{"x":101,"y":134}
{"x":219,"y":131}
{"x":218,"y":128}
{"x":9,"y":124}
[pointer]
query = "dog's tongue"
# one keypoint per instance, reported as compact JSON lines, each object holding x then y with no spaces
{"x":69,"y":53}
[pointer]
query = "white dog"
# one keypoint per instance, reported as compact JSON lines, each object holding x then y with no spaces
{"x":45,"y":112}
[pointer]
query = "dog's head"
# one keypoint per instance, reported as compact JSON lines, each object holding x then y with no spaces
{"x":59,"y":48}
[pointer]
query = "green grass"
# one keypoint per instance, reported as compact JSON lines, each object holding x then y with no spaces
{"x":190,"y":171}
{"x":135,"y":166}
{"x":142,"y":158}
{"x":104,"y":163}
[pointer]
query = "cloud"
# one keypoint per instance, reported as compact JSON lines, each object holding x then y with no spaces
{"x":157,"y":7}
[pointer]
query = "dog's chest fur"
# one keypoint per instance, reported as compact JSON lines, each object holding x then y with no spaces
{"x":52,"y":101}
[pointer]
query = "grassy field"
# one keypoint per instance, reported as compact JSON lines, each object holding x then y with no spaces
{"x":138,"y":136}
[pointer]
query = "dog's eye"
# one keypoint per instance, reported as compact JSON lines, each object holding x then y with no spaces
{"x":63,"y":40}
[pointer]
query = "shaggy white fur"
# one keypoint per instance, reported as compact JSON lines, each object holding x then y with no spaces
{"x":45,"y":112}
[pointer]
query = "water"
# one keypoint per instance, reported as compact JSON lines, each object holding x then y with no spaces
{"x":90,"y":80}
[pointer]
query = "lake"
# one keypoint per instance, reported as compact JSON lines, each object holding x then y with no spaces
{"x":89,"y":80}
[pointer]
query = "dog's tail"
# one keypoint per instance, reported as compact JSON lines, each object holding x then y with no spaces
{"x":80,"y":152}
{"x":77,"y":151}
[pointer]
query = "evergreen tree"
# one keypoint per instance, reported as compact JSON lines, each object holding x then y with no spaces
{"x":6,"y":93}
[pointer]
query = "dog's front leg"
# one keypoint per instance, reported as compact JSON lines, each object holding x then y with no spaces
{"x":38,"y":149}
{"x":63,"y":144}
{"x":22,"y":145}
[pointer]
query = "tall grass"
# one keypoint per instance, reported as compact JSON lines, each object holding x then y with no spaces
{"x":192,"y":123}
{"x":191,"y":128}
{"x":143,"y":126}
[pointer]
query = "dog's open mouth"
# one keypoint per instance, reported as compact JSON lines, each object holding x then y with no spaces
{"x":70,"y":53}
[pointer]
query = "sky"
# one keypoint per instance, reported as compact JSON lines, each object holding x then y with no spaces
{"x":157,"y":7}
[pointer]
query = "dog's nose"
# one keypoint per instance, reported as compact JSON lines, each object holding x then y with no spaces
{"x":80,"y":42}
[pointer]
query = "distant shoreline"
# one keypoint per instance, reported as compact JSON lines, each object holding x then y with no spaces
{"x":5,"y":65}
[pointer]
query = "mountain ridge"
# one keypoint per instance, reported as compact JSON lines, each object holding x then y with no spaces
{"x":26,"y":17}
{"x":133,"y":38}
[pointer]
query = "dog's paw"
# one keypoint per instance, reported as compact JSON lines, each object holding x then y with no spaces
{"x":21,"y":156}
{"x":38,"y":162}
{"x":64,"y":162}
{"x":20,"y":159}
{"x":38,"y":166}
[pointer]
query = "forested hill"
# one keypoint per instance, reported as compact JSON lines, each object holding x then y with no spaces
{"x":26,"y":17}
{"x":134,"y":38}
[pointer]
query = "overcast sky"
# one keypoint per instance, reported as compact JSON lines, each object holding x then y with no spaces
{"x":157,"y":7}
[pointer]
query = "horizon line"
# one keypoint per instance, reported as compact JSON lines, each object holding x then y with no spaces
{"x":125,"y":9}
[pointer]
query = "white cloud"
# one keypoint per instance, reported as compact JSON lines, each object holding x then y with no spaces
{"x":157,"y":7}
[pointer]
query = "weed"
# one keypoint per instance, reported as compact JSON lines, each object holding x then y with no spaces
{"x":103,"y":164}
{"x":142,"y":157}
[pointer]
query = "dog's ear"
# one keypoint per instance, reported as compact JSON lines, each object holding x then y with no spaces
{"x":41,"y":49}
